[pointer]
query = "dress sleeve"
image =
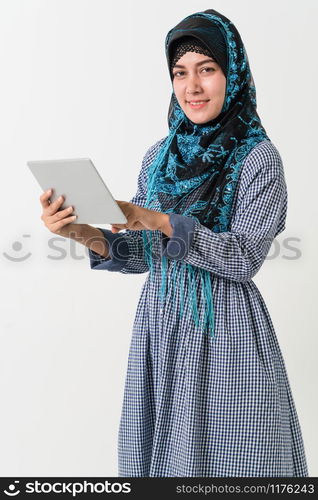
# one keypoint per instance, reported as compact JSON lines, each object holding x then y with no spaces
{"x":259,"y":215}
{"x":126,"y":249}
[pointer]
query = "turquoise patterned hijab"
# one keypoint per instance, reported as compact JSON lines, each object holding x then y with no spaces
{"x":197,"y":168}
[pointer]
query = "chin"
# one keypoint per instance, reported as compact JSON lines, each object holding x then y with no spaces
{"x":200,"y":121}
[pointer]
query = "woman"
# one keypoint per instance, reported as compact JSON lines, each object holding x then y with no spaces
{"x":206,"y":392}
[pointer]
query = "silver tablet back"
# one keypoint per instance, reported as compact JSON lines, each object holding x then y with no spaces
{"x":82,"y":187}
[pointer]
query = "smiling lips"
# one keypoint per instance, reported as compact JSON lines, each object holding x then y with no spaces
{"x":197,"y":104}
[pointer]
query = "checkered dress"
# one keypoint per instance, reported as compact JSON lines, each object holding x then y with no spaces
{"x":194,"y":405}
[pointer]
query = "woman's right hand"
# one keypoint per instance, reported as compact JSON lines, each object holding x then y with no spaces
{"x":58,"y":222}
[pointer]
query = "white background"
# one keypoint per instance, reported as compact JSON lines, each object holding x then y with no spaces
{"x":89,"y":78}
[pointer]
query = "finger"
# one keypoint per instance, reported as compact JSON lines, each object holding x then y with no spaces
{"x":60,"y":214}
{"x":44,"y":198}
{"x":122,"y":203}
{"x":58,"y":225}
{"x":53,"y":207}
{"x":120,"y":226}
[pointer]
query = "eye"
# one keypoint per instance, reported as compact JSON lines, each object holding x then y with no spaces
{"x":209,"y":69}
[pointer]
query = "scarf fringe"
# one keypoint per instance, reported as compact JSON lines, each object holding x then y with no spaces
{"x":207,"y":324}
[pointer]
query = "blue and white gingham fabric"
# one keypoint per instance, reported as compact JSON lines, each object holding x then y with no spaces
{"x":194,"y":406}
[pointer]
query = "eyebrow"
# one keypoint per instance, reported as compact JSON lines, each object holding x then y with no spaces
{"x":197,"y":64}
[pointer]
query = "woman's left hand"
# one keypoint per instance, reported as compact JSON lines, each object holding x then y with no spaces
{"x":139,"y":218}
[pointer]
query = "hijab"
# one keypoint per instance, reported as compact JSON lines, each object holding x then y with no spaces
{"x":196,"y":170}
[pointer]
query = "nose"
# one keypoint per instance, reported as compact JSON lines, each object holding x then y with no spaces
{"x":193,"y":84}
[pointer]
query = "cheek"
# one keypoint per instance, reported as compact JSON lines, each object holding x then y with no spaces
{"x":177,"y":88}
{"x":215,"y":87}
{"x":179,"y":92}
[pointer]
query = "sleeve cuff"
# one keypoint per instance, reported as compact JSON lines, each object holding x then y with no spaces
{"x":178,"y":245}
{"x":118,"y":253}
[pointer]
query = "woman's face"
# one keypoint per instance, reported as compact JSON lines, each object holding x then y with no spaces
{"x":196,"y":77}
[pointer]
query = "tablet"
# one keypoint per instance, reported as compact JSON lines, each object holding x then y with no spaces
{"x":82,"y":187}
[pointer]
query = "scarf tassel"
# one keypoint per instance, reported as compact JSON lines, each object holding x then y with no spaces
{"x":205,"y":278}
